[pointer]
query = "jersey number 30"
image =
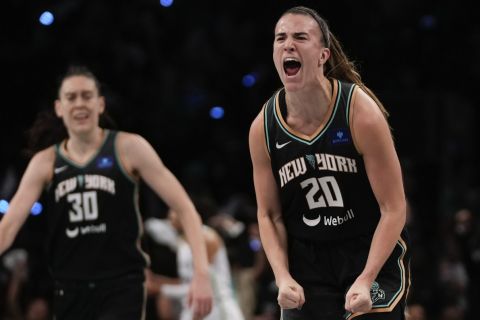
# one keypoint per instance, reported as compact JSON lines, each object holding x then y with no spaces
{"x":84,"y":206}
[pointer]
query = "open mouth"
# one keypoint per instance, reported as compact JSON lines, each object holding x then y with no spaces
{"x":80,"y":116}
{"x":291,"y":66}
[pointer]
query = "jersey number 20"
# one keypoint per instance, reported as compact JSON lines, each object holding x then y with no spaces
{"x":324,"y":192}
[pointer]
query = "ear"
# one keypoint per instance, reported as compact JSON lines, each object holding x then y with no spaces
{"x":101,"y":102}
{"x":58,"y":108}
{"x":324,"y":55}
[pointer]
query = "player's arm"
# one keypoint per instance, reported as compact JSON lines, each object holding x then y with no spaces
{"x":38,"y":173}
{"x":272,"y":229}
{"x":154,"y":282}
{"x":139,"y":158}
{"x":374,"y":141}
{"x":214,"y":243}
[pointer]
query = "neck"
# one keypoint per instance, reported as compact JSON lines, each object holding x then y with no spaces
{"x":80,"y":144}
{"x":312,"y":102}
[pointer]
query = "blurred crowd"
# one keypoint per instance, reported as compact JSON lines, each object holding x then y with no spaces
{"x":446,"y":273}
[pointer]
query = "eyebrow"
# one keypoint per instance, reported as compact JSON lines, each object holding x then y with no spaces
{"x":77,"y":92}
{"x":295,"y":34}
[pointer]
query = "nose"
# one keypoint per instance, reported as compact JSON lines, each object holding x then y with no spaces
{"x":78,"y":102}
{"x":289,"y":46}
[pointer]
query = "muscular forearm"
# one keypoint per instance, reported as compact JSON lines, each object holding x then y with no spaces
{"x":384,"y":240}
{"x":274,"y":241}
{"x":5,"y":240}
{"x":156,"y":282}
{"x":192,"y":225}
{"x":17,"y":212}
{"x":9,"y":226}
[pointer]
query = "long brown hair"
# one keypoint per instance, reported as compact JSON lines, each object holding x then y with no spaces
{"x":338,"y":65}
{"x":48,"y":129}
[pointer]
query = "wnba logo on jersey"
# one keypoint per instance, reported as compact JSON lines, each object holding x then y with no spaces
{"x":340,"y":136}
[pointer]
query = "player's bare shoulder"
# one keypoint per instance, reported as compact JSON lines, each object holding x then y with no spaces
{"x":257,"y":123}
{"x":127,"y":140}
{"x":126,"y":147}
{"x":135,"y":153}
{"x":130,"y":145}
{"x":368,"y":123}
{"x":365,"y":110}
{"x":47,"y":154}
{"x":256,"y":133}
{"x":42,"y":164}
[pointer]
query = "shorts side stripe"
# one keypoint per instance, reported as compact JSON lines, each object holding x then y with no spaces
{"x":398,"y":296}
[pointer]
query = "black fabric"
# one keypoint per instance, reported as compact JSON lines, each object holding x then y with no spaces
{"x":120,"y":298}
{"x":93,"y":220}
{"x":326,"y":272}
{"x":324,"y":189}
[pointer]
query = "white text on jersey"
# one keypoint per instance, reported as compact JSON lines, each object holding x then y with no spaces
{"x":92,"y":181}
{"x":324,"y":161}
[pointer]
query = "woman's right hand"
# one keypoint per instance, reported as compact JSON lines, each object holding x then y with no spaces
{"x":290,"y":294}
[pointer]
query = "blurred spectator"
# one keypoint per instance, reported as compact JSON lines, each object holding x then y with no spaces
{"x":8,"y":181}
{"x":22,"y":302}
{"x":38,"y":309}
{"x":252,"y":276}
{"x":467,"y":233}
{"x":416,"y":312}
{"x":451,"y":312}
{"x":169,"y":232}
{"x":162,"y":262}
{"x":452,"y":281}
{"x":421,"y":296}
{"x":15,"y":261}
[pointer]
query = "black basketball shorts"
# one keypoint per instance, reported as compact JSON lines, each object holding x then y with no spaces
{"x":327,"y":270}
{"x":119,"y":298}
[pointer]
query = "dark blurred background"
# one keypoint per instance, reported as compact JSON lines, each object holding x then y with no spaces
{"x":165,"y":68}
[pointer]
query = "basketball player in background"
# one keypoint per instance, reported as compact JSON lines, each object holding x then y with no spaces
{"x":91,"y":177}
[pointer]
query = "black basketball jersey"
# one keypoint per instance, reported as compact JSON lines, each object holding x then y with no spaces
{"x":323,"y":186}
{"x":93,"y":217}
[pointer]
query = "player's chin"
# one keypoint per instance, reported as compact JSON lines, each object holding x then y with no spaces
{"x":80,"y":128}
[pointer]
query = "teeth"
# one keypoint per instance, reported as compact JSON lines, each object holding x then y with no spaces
{"x":80,"y":116}
{"x":291,"y":59}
